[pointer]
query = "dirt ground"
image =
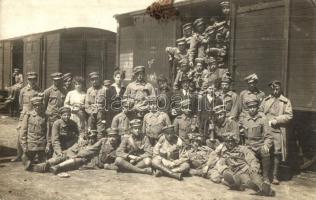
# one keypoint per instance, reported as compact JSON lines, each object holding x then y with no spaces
{"x":15,"y":183}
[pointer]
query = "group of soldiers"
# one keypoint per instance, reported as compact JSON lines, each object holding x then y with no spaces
{"x":194,"y":128}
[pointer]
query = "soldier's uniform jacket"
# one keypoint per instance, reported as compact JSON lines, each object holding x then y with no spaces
{"x":199,"y":156}
{"x":154,"y":122}
{"x":133,"y":146}
{"x":26,"y":94}
{"x":93,"y":94}
{"x":244,"y":95}
{"x":257,"y":132}
{"x":33,"y":132}
{"x":228,"y":126}
{"x":64,"y":135}
{"x":53,"y":100}
{"x":210,"y":77}
{"x":239,"y":160}
{"x":281,"y":110}
{"x":232,"y":104}
{"x":139,"y":90}
{"x":121,"y":122}
{"x":171,"y":151}
{"x":185,"y":125}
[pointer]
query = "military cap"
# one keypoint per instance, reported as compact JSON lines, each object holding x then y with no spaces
{"x":139,"y":69}
{"x":226,"y":79}
{"x":112,"y":131}
{"x":94,"y":75}
{"x":251,"y":78}
{"x":219,"y":109}
{"x":31,"y":75}
{"x":37,"y":100}
{"x":185,"y":79}
{"x":252,"y":100}
{"x":181,"y":41}
{"x":170,"y":129}
{"x":198,"y":21}
{"x":230,"y":136}
{"x":107,"y":82}
{"x":135,"y":123}
{"x":186,"y":26}
{"x":16,"y":69}
{"x":64,"y":110}
{"x":274,"y":83}
{"x":56,"y":76}
{"x":224,"y":3}
{"x":67,"y":76}
{"x":199,"y":60}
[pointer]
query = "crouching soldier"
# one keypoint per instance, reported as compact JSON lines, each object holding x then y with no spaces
{"x":257,"y":135}
{"x":170,"y":156}
{"x":65,"y":132}
{"x":33,"y":134}
{"x":238,"y":166}
{"x":198,"y":155}
{"x":135,"y":151}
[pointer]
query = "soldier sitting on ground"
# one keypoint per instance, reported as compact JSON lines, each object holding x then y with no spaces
{"x":135,"y":151}
{"x":121,"y":120}
{"x":89,"y":152}
{"x":170,"y":157}
{"x":238,"y":166}
{"x":33,"y":133}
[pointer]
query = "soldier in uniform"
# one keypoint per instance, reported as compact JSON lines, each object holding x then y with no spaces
{"x":88,"y":153}
{"x":196,"y":74}
{"x":187,"y":34}
{"x":230,"y":98}
{"x":135,"y":151}
{"x":170,"y":156}
{"x":33,"y":133}
{"x":222,"y":126}
{"x":164,"y":94}
{"x":210,"y":75}
{"x":139,"y":89}
{"x":198,"y":41}
{"x":54,"y":98}
{"x":257,"y":134}
{"x":237,"y":167}
{"x":182,"y":74}
{"x":68,"y":85}
{"x":187,"y":122}
{"x":279,"y":112}
{"x":65,"y":132}
{"x":26,"y":93}
{"x":154,"y":121}
{"x":95,"y":104}
{"x":177,"y":54}
{"x":252,"y":81}
{"x":17,"y":85}
{"x":121,"y":120}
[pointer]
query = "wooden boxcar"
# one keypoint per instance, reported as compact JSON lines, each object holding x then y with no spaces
{"x":76,"y":50}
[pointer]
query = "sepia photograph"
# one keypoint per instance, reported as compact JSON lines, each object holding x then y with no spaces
{"x":157,"y":99}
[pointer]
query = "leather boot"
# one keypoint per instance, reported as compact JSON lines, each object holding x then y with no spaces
{"x":266,"y":164}
{"x":65,"y":166}
{"x":266,"y":190}
{"x":41,"y":168}
{"x":233,"y":181}
{"x":276,"y":164}
{"x":125,"y":165}
{"x":168,"y":172}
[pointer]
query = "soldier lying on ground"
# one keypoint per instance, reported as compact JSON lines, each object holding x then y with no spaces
{"x":170,"y":157}
{"x":237,"y":167}
{"x":135,"y":151}
{"x":89,"y":152}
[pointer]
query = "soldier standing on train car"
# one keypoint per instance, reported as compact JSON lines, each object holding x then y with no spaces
{"x":33,"y":133}
{"x":278,"y":110}
{"x":95,"y":94}
{"x":230,"y":98}
{"x":26,"y":93}
{"x":211,"y":73}
{"x":154,"y":121}
{"x":257,"y":134}
{"x":68,"y":85}
{"x":198,"y":42}
{"x":54,"y":98}
{"x":252,"y":81}
{"x":187,"y":34}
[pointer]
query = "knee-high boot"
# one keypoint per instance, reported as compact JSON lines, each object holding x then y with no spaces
{"x":266,"y":164}
{"x":167,"y":171}
{"x":276,"y":169}
{"x":67,"y":165}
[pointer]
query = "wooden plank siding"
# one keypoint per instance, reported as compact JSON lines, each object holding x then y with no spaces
{"x":1,"y":65}
{"x":52,"y":56}
{"x":7,"y":63}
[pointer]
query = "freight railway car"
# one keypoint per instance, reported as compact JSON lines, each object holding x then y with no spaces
{"x":274,"y":38}
{"x":76,"y":50}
